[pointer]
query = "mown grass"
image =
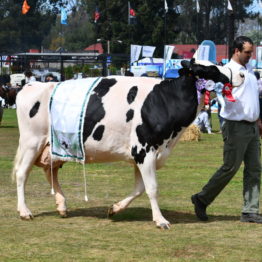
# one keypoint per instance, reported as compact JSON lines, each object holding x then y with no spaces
{"x":88,"y":235}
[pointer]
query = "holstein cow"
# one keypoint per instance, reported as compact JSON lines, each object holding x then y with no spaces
{"x":134,"y":119}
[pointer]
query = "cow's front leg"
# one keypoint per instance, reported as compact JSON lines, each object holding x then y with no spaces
{"x":138,"y":190}
{"x":59,"y":196}
{"x":148,"y":172}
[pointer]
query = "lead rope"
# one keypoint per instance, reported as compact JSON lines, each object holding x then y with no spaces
{"x":85,"y":183}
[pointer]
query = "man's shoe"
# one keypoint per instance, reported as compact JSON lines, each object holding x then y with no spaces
{"x":251,"y":218}
{"x":200,"y":208}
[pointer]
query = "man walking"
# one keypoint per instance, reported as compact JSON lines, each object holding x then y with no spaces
{"x":240,"y":132}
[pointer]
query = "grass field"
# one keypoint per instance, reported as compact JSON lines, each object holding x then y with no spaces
{"x":88,"y":235}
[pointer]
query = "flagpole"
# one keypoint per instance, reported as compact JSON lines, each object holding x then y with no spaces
{"x":230,"y":29}
{"x":165,"y":27}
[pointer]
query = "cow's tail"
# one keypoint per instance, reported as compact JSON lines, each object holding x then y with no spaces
{"x":17,"y":161}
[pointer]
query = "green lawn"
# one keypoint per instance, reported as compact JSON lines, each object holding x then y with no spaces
{"x":88,"y":235}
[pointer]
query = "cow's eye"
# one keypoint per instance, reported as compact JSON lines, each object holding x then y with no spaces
{"x":242,"y":75}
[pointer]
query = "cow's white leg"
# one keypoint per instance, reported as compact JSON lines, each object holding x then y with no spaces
{"x":138,"y":190}
{"x":59,"y":195}
{"x":148,"y":172}
{"x":23,"y":166}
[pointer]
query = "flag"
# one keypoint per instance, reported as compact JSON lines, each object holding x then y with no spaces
{"x":96,"y":15}
{"x":63,"y":16}
{"x":131,"y":15}
{"x":168,"y":51}
{"x":229,"y":6}
{"x":25,"y":7}
{"x":135,"y":53}
{"x":166,"y":7}
{"x":197,"y":6}
{"x":260,"y":4}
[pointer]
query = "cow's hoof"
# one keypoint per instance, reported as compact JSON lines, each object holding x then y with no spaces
{"x":110,"y":211}
{"x":164,"y":226}
{"x":27,"y":218}
{"x":63,"y":214}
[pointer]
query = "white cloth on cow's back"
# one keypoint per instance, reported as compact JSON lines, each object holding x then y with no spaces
{"x":67,"y":109}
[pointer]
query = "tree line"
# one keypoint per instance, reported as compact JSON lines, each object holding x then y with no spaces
{"x":152,"y":24}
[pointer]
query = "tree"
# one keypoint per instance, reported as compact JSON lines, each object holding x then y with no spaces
{"x":19,"y":32}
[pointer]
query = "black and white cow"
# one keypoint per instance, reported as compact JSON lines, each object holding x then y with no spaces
{"x":134,"y":119}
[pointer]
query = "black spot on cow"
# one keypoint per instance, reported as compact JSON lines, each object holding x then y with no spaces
{"x":129,"y":115}
{"x":171,"y":105}
{"x":95,"y":111}
{"x":34,"y":109}
{"x":98,"y":133}
{"x":132,"y":94}
{"x":104,"y":85}
{"x":138,"y":156}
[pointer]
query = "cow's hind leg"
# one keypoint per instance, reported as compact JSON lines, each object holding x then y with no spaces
{"x":23,"y":164}
{"x":138,"y":190}
{"x":148,"y":172}
{"x":59,"y":196}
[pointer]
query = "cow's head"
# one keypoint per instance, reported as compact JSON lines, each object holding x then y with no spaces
{"x":207,"y":70}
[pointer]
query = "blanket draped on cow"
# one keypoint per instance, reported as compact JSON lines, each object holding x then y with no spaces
{"x":67,"y":109}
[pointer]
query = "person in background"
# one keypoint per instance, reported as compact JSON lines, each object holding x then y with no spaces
{"x":1,"y":109}
{"x":50,"y":78}
{"x":259,"y":83}
{"x":241,"y":130}
{"x":29,"y":77}
{"x":202,"y":121}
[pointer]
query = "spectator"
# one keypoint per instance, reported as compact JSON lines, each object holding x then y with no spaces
{"x":259,"y":83}
{"x":29,"y":77}
{"x":1,"y":109}
{"x":202,"y":121}
{"x":50,"y":78}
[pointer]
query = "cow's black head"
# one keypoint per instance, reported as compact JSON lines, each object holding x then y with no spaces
{"x":203,"y":71}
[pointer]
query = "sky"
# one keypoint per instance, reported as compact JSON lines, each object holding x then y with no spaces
{"x":256,"y":7}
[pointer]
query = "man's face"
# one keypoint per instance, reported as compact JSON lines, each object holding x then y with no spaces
{"x":242,"y":57}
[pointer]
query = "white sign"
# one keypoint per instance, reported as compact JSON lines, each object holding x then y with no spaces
{"x":148,"y":51}
{"x":135,"y":53}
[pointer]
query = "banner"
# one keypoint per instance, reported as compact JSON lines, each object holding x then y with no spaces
{"x":148,"y":51}
{"x":259,"y":56}
{"x":63,"y":16}
{"x":203,"y":52}
{"x":168,"y":51}
{"x":135,"y":53}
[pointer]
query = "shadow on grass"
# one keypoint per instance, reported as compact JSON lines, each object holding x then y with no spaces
{"x":8,"y":126}
{"x":139,"y":214}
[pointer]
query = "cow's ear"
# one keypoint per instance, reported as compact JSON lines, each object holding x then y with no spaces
{"x":198,"y":70}
{"x":185,"y":64}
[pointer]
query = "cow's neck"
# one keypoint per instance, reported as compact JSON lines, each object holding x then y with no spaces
{"x":169,"y":107}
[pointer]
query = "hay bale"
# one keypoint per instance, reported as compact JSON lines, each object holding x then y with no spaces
{"x":192,"y":133}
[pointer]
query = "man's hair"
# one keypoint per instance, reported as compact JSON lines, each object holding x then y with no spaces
{"x":239,"y":42}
